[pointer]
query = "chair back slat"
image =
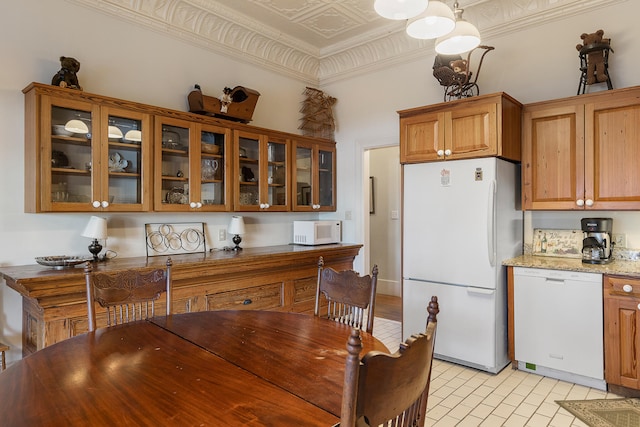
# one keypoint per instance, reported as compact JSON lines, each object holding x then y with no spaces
{"x":126,"y":295}
{"x":385,"y":389}
{"x":350,"y":297}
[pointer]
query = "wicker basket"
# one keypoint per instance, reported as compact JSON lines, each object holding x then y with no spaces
{"x":209,"y":148}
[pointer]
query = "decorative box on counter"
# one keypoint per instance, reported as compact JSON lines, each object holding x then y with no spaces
{"x":557,"y":243}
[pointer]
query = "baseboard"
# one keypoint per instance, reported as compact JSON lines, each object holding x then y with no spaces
{"x":389,"y":287}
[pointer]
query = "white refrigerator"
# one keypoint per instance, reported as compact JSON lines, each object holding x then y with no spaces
{"x":461,"y":219}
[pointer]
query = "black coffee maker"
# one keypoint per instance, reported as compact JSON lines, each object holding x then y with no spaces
{"x":597,"y":247}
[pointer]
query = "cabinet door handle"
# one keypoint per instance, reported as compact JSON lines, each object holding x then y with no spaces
{"x":96,"y":204}
{"x":447,"y":152}
{"x":580,"y":202}
{"x":589,"y":202}
{"x":440,"y":153}
{"x":105,"y":204}
{"x":247,"y":301}
{"x":627,"y":288}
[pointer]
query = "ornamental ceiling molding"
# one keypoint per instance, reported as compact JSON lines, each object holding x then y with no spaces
{"x":211,"y":26}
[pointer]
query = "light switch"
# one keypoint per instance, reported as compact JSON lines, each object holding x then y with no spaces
{"x":394,"y":214}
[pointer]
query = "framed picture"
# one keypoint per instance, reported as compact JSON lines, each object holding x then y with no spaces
{"x":372,"y":196}
{"x":175,"y":239}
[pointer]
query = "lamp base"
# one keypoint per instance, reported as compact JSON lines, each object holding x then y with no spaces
{"x":237,"y":239}
{"x":95,"y":247}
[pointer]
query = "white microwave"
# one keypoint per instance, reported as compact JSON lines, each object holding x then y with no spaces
{"x":316,"y":232}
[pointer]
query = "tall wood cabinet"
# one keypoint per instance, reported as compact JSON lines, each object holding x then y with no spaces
{"x":622,"y":331}
{"x":128,"y":157}
{"x":581,"y":152}
{"x":481,"y":126}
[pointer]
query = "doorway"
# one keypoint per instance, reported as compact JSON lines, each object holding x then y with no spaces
{"x":382,"y":166}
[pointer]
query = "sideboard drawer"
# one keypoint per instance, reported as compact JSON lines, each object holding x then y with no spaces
{"x":255,"y":298}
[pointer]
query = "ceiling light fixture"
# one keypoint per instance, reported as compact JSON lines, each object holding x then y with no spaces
{"x":436,"y":21}
{"x":464,"y":37}
{"x":433,"y":20}
{"x":400,"y":9}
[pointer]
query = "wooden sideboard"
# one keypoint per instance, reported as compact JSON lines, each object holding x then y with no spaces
{"x":282,"y":278}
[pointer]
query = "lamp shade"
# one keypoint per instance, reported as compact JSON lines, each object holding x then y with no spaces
{"x":462,"y":39}
{"x":96,"y":228}
{"x":76,"y":126}
{"x":400,"y":9}
{"x":434,"y":22}
{"x":236,"y":226}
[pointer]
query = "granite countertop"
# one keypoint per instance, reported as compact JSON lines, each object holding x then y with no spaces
{"x":618,"y":267}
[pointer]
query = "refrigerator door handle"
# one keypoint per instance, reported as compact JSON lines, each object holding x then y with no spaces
{"x":480,"y":291}
{"x":491,"y":225}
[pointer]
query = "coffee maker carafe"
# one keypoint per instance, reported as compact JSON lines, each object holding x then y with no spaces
{"x":596,"y":244}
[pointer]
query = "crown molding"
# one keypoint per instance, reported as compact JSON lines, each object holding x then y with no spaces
{"x":213,"y":27}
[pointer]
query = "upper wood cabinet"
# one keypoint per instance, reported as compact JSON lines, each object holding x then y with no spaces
{"x":263,"y":164}
{"x":314,"y":175}
{"x":192,"y":166}
{"x":481,"y":126}
{"x":581,"y":152}
{"x":133,"y":157}
{"x":100,"y":162}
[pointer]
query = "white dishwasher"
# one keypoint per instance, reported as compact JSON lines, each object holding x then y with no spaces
{"x":558,"y":330}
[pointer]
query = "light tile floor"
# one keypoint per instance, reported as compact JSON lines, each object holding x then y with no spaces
{"x":461,"y":396}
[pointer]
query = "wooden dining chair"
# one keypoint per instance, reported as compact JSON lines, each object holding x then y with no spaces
{"x":389,"y":389}
{"x":3,"y":349}
{"x":351,"y":298}
{"x":126,"y":295}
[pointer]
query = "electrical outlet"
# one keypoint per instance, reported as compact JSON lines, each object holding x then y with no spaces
{"x":222,"y":234}
{"x":620,"y":240}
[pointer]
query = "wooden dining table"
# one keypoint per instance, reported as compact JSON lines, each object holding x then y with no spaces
{"x":222,"y":368}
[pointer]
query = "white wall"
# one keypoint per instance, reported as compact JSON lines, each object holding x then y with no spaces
{"x":532,"y":64}
{"x":121,"y":60}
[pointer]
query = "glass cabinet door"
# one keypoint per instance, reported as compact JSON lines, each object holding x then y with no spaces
{"x":326,"y":179}
{"x":67,"y":182}
{"x":277,"y":194}
{"x":215,"y":186}
{"x":126,"y":178}
{"x":248,"y":169}
{"x":304,"y":182}
{"x":172,"y":166}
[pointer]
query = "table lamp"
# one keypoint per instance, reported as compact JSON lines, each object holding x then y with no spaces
{"x":236,"y":227}
{"x":95,"y":229}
